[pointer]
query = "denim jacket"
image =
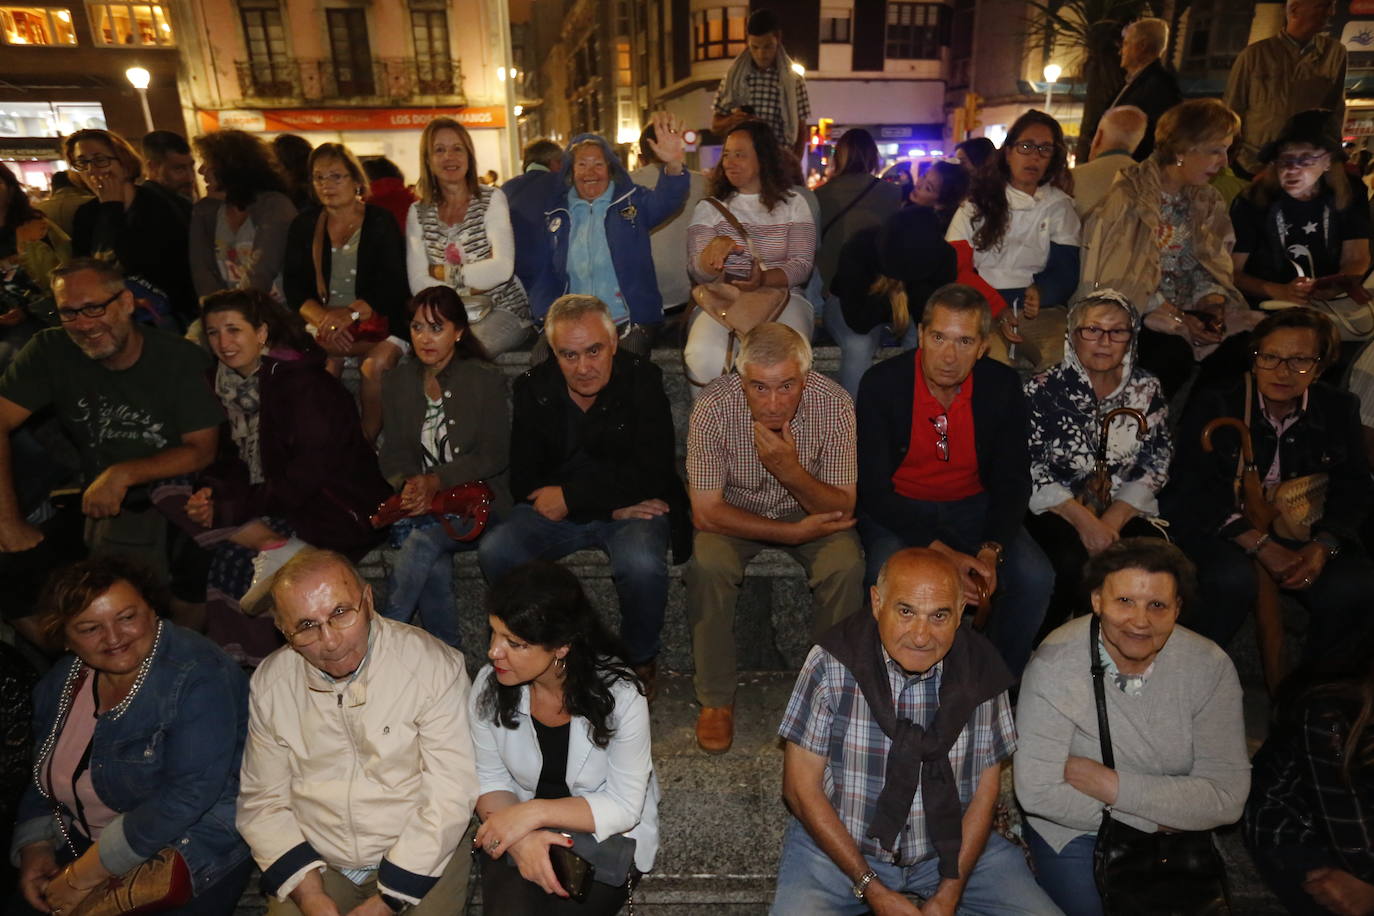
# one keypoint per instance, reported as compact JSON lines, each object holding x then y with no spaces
{"x":169,"y":764}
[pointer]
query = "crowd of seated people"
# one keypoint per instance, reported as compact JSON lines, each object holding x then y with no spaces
{"x":1111,"y":435}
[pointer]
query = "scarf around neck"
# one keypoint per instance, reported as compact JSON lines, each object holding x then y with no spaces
{"x":737,"y":90}
{"x":241,"y":402}
{"x":973,"y":674}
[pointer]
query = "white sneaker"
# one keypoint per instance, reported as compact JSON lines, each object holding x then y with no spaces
{"x":265,"y":565}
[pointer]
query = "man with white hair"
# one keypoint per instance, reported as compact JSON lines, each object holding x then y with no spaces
{"x":593,"y":466}
{"x":770,"y":462}
{"x":358,"y":778}
{"x":1120,"y":131}
{"x":1149,"y":84}
{"x":1299,"y":68}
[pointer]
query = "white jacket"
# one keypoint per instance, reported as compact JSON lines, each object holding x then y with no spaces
{"x":618,"y":782}
{"x":373,"y":772}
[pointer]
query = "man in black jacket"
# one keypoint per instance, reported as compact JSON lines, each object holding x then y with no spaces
{"x":592,"y":464}
{"x":943,"y":464}
{"x":1149,"y":85}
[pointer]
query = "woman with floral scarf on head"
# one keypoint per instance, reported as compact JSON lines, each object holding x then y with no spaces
{"x":1099,"y":374}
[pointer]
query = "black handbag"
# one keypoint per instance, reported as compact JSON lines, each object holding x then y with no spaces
{"x":1151,"y":874}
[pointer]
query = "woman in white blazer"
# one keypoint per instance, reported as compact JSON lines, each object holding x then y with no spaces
{"x":560,"y":726}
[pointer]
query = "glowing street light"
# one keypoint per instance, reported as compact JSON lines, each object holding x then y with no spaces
{"x":1052,"y":72}
{"x":139,"y":78}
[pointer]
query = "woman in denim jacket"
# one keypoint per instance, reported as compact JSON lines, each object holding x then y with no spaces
{"x":140,"y":735}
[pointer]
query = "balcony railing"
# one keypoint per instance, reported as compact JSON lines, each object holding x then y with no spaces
{"x":391,"y":80}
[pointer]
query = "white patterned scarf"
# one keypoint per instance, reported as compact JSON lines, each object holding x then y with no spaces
{"x":241,"y":402}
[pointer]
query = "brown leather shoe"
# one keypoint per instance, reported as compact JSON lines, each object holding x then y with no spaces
{"x":716,"y":728}
{"x":648,"y":676}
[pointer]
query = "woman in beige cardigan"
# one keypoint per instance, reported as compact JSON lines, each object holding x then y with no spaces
{"x":1162,"y":236}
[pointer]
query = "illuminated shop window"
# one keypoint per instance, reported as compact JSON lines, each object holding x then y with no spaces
{"x":36,"y":25}
{"x":122,"y":24}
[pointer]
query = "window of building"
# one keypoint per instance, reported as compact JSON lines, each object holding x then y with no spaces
{"x":429,"y":29}
{"x":719,"y":32}
{"x":36,"y":25}
{"x":267,"y":72}
{"x":351,"y":52}
{"x":917,"y":31}
{"x":1218,"y":30}
{"x":835,"y":25}
{"x":622,"y":63}
{"x":137,"y":24}
{"x":49,"y":119}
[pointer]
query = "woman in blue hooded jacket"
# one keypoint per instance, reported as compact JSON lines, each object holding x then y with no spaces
{"x":140,"y":730}
{"x":598,"y":224}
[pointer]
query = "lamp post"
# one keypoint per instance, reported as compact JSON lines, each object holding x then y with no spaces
{"x":140,"y":78}
{"x":1052,"y":72}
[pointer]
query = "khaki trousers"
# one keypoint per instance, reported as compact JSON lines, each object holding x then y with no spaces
{"x":835,"y":572}
{"x":447,"y":898}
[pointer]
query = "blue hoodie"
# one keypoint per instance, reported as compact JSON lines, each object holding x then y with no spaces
{"x":631,"y":213}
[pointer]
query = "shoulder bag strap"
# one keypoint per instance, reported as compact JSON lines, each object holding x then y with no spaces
{"x":317,"y":253}
{"x":1104,"y":731}
{"x":849,"y":206}
{"x":738,"y":226}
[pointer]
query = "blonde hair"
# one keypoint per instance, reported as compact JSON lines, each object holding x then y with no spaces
{"x":428,"y":186}
{"x":895,"y":291}
{"x":1190,"y":124}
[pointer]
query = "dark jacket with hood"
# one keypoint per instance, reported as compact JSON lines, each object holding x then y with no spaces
{"x":628,"y":446}
{"x":319,"y":473}
{"x":634,"y":211}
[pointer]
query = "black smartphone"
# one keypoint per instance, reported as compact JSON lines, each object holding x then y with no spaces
{"x":572,"y":871}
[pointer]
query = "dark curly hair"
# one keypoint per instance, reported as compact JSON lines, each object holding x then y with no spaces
{"x":19,"y":209}
{"x":1152,"y":555}
{"x":71,"y":589}
{"x":774,"y":185}
{"x":244,"y":164}
{"x":285,"y":328}
{"x":544,"y":604}
{"x":989,"y":193}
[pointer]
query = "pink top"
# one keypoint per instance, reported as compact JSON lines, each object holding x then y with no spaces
{"x":76,"y":736}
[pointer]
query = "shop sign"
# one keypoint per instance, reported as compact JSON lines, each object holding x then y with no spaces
{"x":344,"y":119}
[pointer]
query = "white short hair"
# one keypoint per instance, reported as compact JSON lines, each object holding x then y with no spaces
{"x":772,"y":343}
{"x":574,"y":306}
{"x":1155,"y":30}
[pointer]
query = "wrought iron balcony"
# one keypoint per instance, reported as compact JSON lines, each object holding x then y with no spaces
{"x":390,"y":80}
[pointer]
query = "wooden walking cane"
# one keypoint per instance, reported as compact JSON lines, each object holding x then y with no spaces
{"x":1260,"y":513}
{"x":1099,"y":488}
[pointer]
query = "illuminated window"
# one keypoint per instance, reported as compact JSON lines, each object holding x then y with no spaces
{"x":135,"y":24}
{"x":622,"y":63}
{"x":917,"y":31}
{"x":36,"y":25}
{"x":719,"y":32}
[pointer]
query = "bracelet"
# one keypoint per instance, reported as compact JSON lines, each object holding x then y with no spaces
{"x":1264,"y":538}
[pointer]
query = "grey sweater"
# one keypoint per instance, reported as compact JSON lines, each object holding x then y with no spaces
{"x":1179,"y":746}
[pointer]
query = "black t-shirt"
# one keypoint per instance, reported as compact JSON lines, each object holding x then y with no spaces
{"x":553,"y":744}
{"x":1307,"y":232}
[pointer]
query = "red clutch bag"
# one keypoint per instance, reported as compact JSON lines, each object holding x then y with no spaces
{"x":471,"y":500}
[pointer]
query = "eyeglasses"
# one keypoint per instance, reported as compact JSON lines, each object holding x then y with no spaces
{"x":331,"y":178}
{"x":308,"y":632}
{"x":941,"y":424}
{"x":99,"y":162}
{"x":94,"y":310}
{"x":1115,"y":335}
{"x":1301,"y":365}
{"x":1301,"y":162}
{"x":1046,"y":150}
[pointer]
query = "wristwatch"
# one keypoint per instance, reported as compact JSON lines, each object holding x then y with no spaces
{"x":395,"y":904}
{"x":861,"y":886}
{"x":994,"y":547}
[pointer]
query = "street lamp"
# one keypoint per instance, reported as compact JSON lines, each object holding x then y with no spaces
{"x":1052,"y":72}
{"x":140,"y":78}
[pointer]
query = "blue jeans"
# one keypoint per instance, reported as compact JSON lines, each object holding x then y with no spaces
{"x":637,"y":548}
{"x":1067,"y":875}
{"x":857,"y":350}
{"x":1025,"y":581}
{"x":422,"y":580}
{"x":810,"y":883}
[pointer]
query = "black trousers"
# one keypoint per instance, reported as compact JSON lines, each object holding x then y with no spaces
{"x":506,"y":893}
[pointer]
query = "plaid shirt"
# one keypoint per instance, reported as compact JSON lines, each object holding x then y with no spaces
{"x":721,"y":453}
{"x":1299,"y":796}
{"x":827,"y":715}
{"x":765,"y":96}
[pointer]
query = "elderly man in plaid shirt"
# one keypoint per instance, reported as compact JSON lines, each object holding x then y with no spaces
{"x":896,"y":733}
{"x":770,"y":461}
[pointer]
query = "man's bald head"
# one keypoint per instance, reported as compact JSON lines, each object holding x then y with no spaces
{"x":310,"y":565}
{"x":918,"y":602}
{"x":1122,"y":127}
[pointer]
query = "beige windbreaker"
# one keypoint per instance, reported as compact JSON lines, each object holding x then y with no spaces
{"x":372,"y":772}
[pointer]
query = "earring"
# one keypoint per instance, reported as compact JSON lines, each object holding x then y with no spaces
{"x":1178,"y":162}
{"x":561,"y":663}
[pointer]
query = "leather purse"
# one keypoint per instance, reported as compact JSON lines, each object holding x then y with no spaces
{"x":1299,"y":501}
{"x":1150,"y":874}
{"x":161,"y":882}
{"x":471,"y":500}
{"x":738,"y":311}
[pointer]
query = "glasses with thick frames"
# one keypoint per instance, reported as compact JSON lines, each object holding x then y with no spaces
{"x":94,"y":310}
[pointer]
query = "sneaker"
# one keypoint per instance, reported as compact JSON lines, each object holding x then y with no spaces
{"x":256,"y":600}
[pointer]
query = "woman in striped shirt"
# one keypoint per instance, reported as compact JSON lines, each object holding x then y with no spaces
{"x":752,"y":184}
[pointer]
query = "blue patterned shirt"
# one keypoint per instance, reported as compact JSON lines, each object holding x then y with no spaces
{"x":827,"y":715}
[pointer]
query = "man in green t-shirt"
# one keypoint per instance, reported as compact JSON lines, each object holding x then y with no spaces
{"x":134,"y":399}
